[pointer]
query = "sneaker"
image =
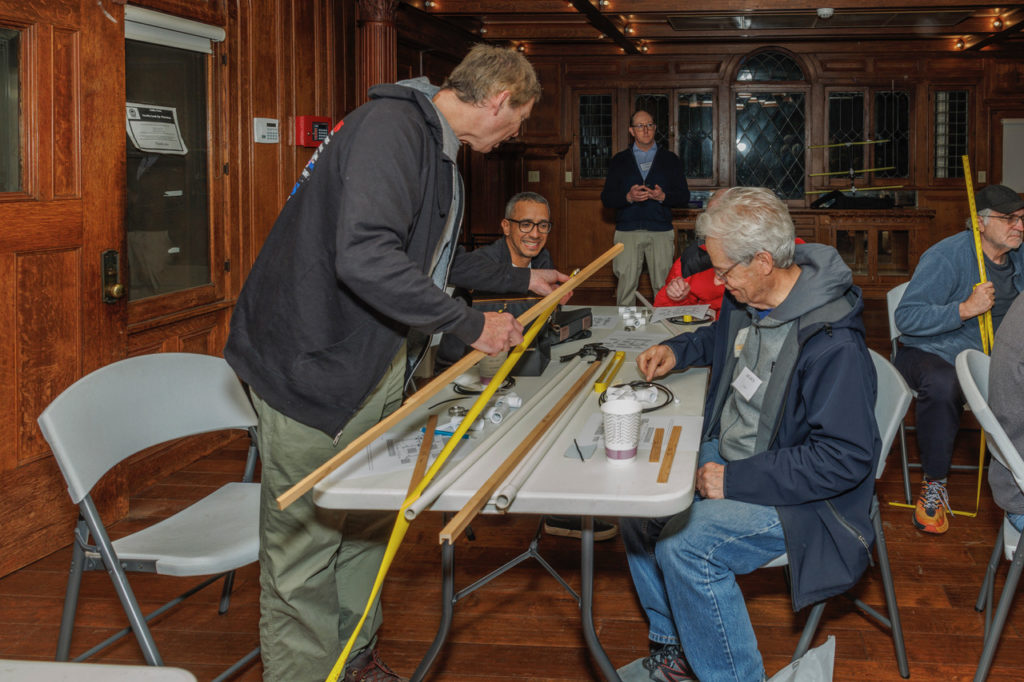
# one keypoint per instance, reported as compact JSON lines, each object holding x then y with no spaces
{"x":665,"y":664}
{"x":367,"y":667}
{"x":932,"y":505}
{"x":570,"y":527}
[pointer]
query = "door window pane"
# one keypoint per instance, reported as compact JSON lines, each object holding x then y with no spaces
{"x":167,"y":212}
{"x":950,"y":133}
{"x":892,"y":123}
{"x":595,"y":135}
{"x":697,"y":134}
{"x":770,"y":142}
{"x":846,"y":125}
{"x":10,"y":111}
{"x":657,"y":107}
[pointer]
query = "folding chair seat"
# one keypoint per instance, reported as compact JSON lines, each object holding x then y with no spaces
{"x":972,"y":368}
{"x":890,"y":406}
{"x":156,"y":398}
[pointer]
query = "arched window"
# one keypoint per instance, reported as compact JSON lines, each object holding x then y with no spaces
{"x":771,"y":123}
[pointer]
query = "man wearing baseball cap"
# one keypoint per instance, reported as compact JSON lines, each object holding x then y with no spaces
{"x":937,"y":319}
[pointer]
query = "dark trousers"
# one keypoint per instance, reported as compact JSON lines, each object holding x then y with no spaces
{"x":939,"y":403}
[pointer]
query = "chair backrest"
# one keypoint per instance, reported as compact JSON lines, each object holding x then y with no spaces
{"x":892,"y":300}
{"x":133,"y":404}
{"x":891,"y":405}
{"x":972,"y":367}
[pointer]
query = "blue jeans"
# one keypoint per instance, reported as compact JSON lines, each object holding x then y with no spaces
{"x":1016,"y":520}
{"x":684,"y":568}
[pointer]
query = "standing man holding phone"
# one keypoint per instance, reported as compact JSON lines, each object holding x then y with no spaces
{"x":645,"y":182}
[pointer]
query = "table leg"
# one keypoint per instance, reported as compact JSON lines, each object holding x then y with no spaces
{"x":447,"y":609}
{"x":587,"y":605}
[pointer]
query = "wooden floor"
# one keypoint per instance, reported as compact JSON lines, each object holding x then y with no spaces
{"x":523,"y":625}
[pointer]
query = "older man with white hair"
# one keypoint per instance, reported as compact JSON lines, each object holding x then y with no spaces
{"x":788,"y":452}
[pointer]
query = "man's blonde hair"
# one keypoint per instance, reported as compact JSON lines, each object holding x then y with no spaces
{"x":487,"y":70}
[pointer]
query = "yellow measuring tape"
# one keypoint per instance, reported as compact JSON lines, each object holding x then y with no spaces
{"x":401,"y":523}
{"x":985,"y":327}
{"x":609,"y":372}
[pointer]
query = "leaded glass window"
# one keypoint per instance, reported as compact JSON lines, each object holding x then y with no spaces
{"x":950,"y":133}
{"x":845,"y":126}
{"x":892,"y":123}
{"x":657,"y":106}
{"x":595,"y":135}
{"x":769,"y":66}
{"x":10,"y":111}
{"x":770,"y":141}
{"x":697,"y":134}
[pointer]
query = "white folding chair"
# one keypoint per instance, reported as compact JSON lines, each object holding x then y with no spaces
{"x":892,"y":300}
{"x":972,"y":368}
{"x":891,"y":405}
{"x":118,"y":410}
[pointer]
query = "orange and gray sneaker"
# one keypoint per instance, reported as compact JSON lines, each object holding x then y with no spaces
{"x":932,"y":506}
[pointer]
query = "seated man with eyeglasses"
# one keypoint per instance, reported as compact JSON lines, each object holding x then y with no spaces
{"x":644,"y":183}
{"x":938,"y":318}
{"x":526,"y":226}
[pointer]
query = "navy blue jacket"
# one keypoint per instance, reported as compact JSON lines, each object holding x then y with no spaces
{"x":818,"y":471}
{"x":623,"y":172}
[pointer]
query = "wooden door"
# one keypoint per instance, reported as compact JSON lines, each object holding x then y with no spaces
{"x":67,"y":209}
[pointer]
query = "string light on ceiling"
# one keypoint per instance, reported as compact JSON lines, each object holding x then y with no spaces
{"x":997,"y":23}
{"x":960,"y":44}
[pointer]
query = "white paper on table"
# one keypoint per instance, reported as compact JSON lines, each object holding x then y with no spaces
{"x":697,"y":312}
{"x":392,"y":452}
{"x":591,"y":436}
{"x":604,"y":321}
{"x":634,"y":342}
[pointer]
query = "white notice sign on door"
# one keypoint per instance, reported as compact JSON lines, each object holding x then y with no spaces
{"x":154,"y":128}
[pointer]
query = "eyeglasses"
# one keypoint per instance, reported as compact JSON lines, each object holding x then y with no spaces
{"x":526,"y":226}
{"x":644,"y":126}
{"x":723,"y":275}
{"x":1010,"y":220}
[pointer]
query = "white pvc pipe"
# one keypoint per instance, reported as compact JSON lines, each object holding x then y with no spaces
{"x":515,"y":481}
{"x":442,"y":483}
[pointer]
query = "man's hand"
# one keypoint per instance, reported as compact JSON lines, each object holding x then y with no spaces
{"x":638,"y":193}
{"x":711,"y":481}
{"x":543,"y":282}
{"x":677,"y":289}
{"x":981,"y":300}
{"x":501,"y":332}
{"x":658,"y":194}
{"x":656,"y":361}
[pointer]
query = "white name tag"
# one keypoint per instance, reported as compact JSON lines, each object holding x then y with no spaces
{"x":746,"y":384}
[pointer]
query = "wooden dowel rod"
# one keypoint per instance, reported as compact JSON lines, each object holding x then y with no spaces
{"x":424,"y":454}
{"x":656,"y":445}
{"x":439,"y":382}
{"x":479,"y":499}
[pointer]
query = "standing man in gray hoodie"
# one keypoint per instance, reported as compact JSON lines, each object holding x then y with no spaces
{"x":330,"y":322}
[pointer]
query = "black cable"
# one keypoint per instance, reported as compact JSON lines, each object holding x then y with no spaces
{"x":639,"y":385}
{"x":506,"y":385}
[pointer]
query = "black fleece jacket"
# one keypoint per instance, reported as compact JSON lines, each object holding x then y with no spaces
{"x":344,"y":274}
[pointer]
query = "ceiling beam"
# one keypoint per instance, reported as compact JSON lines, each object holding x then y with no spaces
{"x":605,"y":26}
{"x":1013,"y":22}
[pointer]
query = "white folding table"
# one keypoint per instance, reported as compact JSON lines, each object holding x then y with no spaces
{"x":562,"y":483}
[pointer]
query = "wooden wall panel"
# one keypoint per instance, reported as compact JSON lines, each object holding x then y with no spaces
{"x":49,"y":327}
{"x":66,"y":126}
{"x":545,"y":123}
{"x":37,"y":512}
{"x":589,"y":230}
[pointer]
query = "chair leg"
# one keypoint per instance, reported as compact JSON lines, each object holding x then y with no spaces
{"x":225,"y":593}
{"x":889,"y":588}
{"x":810,"y":627}
{"x":67,"y":618}
{"x":121,"y":586}
{"x":988,"y":651}
{"x":905,"y":464}
{"x":985,"y":594}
